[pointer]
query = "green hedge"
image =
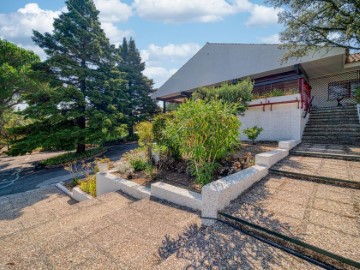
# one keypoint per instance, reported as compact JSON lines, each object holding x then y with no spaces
{"x":70,"y":157}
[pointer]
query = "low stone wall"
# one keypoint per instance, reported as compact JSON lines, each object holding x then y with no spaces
{"x":107,"y":182}
{"x":288,"y":145}
{"x":76,"y":193}
{"x":218,"y":194}
{"x":268,"y":159}
{"x":176,"y":195}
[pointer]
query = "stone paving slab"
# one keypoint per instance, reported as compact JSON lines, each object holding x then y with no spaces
{"x":322,"y":215}
{"x":318,"y":166}
{"x":338,"y":149}
{"x":222,"y":247}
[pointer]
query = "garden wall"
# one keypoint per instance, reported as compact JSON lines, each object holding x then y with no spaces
{"x":282,"y":122}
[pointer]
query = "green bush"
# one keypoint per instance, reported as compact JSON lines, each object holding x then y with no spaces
{"x":252,"y":133}
{"x":204,"y":131}
{"x":138,"y":164}
{"x":160,"y":137}
{"x":88,"y":185}
{"x":239,"y":93}
{"x":144,"y":131}
{"x":71,"y":157}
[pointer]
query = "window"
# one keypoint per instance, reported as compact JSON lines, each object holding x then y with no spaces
{"x":343,"y":88}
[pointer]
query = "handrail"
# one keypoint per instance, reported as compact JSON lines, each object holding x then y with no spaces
{"x":274,"y":103}
{"x":309,"y":107}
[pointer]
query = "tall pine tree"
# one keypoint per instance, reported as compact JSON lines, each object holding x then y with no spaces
{"x":83,"y":104}
{"x":138,"y":88}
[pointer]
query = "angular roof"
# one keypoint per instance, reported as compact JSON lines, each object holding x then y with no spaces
{"x":218,"y":62}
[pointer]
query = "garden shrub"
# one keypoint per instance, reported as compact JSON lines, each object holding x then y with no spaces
{"x":89,"y":185}
{"x":204,"y":131}
{"x":159,"y":125}
{"x":252,"y":133}
{"x":138,"y":164}
{"x":239,"y":93}
{"x":72,"y":156}
{"x":144,"y":131}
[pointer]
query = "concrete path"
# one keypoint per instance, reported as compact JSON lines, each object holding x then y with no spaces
{"x":321,"y":215}
{"x":321,"y":167}
{"x":17,"y":174}
{"x":44,"y":229}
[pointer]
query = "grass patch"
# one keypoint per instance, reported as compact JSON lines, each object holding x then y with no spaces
{"x":88,"y":185}
{"x":71,"y":157}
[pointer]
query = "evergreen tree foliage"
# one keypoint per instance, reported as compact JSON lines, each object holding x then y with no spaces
{"x":139,"y":88}
{"x":15,"y":81}
{"x":316,"y":23}
{"x":82,"y":103}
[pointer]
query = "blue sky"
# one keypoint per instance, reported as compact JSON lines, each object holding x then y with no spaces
{"x":167,"y":32}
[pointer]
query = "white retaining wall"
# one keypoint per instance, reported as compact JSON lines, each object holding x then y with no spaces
{"x":107,"y":182}
{"x":284,"y":122}
{"x":176,"y":195}
{"x":218,"y":194}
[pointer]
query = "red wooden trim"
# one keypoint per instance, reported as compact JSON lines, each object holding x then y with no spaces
{"x":274,"y":103}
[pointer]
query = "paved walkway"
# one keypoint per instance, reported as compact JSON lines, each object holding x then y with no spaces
{"x":320,"y":166}
{"x":44,"y":229}
{"x":321,"y":215}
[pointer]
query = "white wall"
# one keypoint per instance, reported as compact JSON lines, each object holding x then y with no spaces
{"x":284,"y":122}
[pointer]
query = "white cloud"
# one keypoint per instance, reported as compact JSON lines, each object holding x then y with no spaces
{"x":272,"y":39}
{"x":163,"y":61}
{"x":262,"y":15}
{"x":113,"y":10}
{"x":189,"y":10}
{"x":19,"y":25}
{"x":115,"y":34}
{"x":159,"y":74}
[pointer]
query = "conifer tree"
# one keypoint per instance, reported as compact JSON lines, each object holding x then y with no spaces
{"x":82,"y":106}
{"x":138,"y":88}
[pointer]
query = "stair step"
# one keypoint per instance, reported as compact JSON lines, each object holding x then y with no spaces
{"x":336,"y":109}
{"x":331,"y":129}
{"x":334,"y":117}
{"x":332,"y":141}
{"x":335,"y":134}
{"x":333,"y":121}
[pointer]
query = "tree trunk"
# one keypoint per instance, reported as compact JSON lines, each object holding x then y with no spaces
{"x":81,"y":141}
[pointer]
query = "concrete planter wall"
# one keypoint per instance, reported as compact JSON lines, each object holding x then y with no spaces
{"x":214,"y":196}
{"x":107,"y":182}
{"x":283,"y":122}
{"x":77,"y":194}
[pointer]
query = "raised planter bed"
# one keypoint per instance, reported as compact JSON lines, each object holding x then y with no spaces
{"x":76,"y":193}
{"x":213,"y":197}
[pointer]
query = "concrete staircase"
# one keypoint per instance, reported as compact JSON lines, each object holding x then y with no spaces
{"x":333,"y":125}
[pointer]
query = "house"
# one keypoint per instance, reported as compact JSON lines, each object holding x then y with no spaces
{"x":320,"y":78}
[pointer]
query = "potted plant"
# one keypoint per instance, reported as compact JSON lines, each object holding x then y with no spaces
{"x":102,"y":164}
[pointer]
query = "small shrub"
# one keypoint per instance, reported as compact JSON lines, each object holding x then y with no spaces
{"x":238,"y":94}
{"x":138,"y":164}
{"x":125,"y":168}
{"x":252,"y":133}
{"x":71,"y":157}
{"x":150,"y":171}
{"x":164,"y":143}
{"x":146,"y":137}
{"x":204,"y":131}
{"x":89,"y":185}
